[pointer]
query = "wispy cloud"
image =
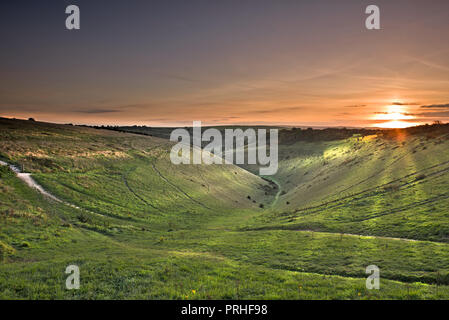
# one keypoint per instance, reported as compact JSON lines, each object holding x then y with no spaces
{"x":397,"y":103}
{"x":278,"y":110}
{"x":96,"y":111}
{"x":355,"y":106}
{"x":443,"y":114}
{"x":436,"y":106}
{"x":430,"y":64}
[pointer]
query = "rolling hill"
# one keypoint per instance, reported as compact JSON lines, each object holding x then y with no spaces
{"x":141,"y":227}
{"x":383,"y":184}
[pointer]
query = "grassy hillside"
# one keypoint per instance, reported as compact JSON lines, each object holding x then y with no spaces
{"x":140,"y":227}
{"x":388,"y":185}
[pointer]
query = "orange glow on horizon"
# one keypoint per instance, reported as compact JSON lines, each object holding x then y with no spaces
{"x":397,"y":124}
{"x":394,"y":113}
{"x":395,"y":116}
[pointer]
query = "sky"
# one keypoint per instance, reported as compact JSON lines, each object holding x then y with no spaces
{"x":168,"y":63}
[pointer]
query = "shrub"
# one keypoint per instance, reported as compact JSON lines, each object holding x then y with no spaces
{"x":83,"y":218}
{"x":420,"y":177}
{"x":5,"y":249}
{"x":392,"y":187}
{"x":25,"y":244}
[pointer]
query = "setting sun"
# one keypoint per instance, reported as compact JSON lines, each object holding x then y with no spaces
{"x":397,"y":124}
{"x":395,"y":116}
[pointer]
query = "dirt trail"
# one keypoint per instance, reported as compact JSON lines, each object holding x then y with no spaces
{"x":26,"y":177}
{"x":361,"y":236}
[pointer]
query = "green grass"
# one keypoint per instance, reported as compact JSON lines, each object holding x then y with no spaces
{"x":148,"y":229}
{"x":369,"y":186}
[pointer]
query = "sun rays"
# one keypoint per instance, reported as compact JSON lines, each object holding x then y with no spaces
{"x":395,"y":116}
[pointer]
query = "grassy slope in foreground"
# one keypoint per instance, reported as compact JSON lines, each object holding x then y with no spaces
{"x":153,"y":230}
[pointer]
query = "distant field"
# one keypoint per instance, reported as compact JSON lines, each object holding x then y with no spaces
{"x":145,"y":228}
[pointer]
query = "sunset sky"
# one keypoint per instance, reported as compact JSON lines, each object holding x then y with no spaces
{"x":166,"y":63}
